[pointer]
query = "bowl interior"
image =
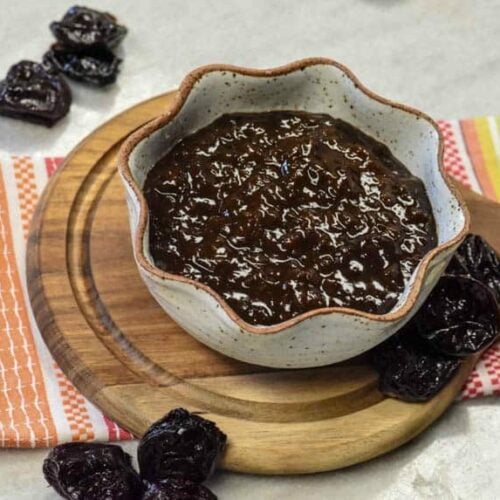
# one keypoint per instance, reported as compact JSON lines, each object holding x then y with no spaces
{"x":320,"y":88}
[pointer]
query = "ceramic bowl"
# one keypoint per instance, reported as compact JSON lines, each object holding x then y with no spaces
{"x":322,"y":336}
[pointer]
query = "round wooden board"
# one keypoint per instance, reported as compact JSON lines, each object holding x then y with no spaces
{"x":127,"y":356}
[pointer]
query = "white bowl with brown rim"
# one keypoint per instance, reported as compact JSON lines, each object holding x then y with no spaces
{"x":321,"y":336}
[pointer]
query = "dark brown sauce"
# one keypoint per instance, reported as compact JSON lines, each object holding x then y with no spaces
{"x":285,"y":211}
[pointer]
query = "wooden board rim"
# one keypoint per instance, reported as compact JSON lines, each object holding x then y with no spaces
{"x":245,"y":454}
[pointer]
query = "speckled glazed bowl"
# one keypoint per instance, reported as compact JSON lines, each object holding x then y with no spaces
{"x":321,"y":336}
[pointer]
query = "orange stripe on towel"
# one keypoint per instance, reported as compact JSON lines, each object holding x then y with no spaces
{"x":25,"y":417}
{"x":74,"y":405}
{"x":24,"y":172}
{"x":75,"y":409}
{"x":475,"y":140}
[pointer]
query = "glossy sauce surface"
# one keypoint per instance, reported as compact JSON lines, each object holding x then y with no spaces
{"x":286,"y":211}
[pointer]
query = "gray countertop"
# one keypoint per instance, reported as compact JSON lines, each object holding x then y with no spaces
{"x":442,"y":57}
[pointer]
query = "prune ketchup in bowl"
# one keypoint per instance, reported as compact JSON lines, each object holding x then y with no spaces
{"x":289,"y":217}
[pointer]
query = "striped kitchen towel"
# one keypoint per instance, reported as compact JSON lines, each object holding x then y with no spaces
{"x":40,"y":407}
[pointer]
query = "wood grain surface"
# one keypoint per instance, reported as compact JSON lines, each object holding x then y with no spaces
{"x":127,"y":356}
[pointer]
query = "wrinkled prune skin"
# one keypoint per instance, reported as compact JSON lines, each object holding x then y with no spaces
{"x":177,"y":489}
{"x":460,"y":316}
{"x":83,"y":28}
{"x":180,"y":445}
{"x":92,"y":471}
{"x":477,"y":259}
{"x":98,"y":67}
{"x":409,"y":370}
{"x":35,"y":94}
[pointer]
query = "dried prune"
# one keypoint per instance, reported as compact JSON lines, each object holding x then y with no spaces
{"x":33,"y":93}
{"x":409,"y":370}
{"x":477,"y":259}
{"x":92,"y":472}
{"x":83,"y":28}
{"x":460,"y":316}
{"x":177,"y":489}
{"x":95,"y":66}
{"x":180,"y":445}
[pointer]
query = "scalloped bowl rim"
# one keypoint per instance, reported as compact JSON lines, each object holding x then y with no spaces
{"x":184,"y":90}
